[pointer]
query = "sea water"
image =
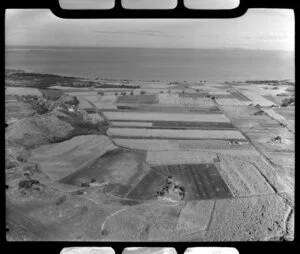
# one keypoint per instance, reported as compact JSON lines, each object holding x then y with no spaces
{"x":212,"y":65}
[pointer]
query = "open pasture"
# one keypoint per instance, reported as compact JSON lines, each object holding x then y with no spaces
{"x":61,"y":159}
{"x":23,"y":91}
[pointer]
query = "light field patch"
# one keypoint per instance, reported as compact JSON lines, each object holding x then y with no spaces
{"x":189,"y":145}
{"x":216,"y":93}
{"x":147,"y":144}
{"x":177,"y":134}
{"x":105,"y":105}
{"x":161,"y":116}
{"x":83,"y":93}
{"x":257,"y":99}
{"x":83,"y":102}
{"x":22,"y":91}
{"x":210,"y":144}
{"x":242,"y":175}
{"x":179,"y":157}
{"x":194,"y":217}
{"x":64,"y":158}
{"x":232,"y":102}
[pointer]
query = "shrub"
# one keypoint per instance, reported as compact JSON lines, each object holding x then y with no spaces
{"x":60,"y":200}
{"x":131,"y":93}
{"x":143,"y":92}
{"x":101,"y":93}
{"x":11,"y":164}
{"x":28,"y":183}
{"x":287,"y":102}
{"x":79,"y":192}
{"x":116,"y":94}
{"x":21,"y":158}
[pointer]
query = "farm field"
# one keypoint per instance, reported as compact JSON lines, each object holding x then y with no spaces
{"x":176,"y":162}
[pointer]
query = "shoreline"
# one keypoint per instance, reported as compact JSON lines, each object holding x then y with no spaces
{"x":116,"y":79}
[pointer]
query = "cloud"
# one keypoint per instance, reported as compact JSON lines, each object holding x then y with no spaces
{"x":253,"y":30}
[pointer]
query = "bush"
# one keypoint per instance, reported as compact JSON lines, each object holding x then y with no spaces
{"x":28,"y":183}
{"x":21,"y":158}
{"x":131,"y":93}
{"x":101,"y":93}
{"x":79,"y":192}
{"x":143,"y":92}
{"x":116,"y":94}
{"x":60,"y":200}
{"x":11,"y":164}
{"x":286,"y":102}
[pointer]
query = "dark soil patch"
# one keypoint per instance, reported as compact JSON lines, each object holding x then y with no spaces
{"x":117,"y":86}
{"x":51,"y":93}
{"x":147,"y":188}
{"x":194,"y":125}
{"x":193,"y":95}
{"x":142,"y":99}
{"x":200,"y":181}
{"x":272,"y":98}
{"x":239,"y":96}
{"x":156,"y":108}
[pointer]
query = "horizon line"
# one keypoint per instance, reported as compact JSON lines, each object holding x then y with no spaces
{"x":129,"y":47}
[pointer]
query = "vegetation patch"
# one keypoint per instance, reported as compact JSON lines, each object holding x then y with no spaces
{"x":287,"y":102}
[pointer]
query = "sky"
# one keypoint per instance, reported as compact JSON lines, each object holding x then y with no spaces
{"x":87,"y":4}
{"x":211,"y":4}
{"x":263,"y":29}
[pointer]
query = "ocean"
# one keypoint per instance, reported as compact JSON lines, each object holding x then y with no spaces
{"x":212,"y":65}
